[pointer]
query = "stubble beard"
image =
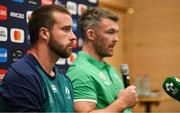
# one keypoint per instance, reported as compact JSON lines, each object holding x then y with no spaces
{"x":61,"y":50}
{"x":102,"y":51}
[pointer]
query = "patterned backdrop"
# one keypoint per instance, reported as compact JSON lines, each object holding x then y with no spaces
{"x":14,"y":38}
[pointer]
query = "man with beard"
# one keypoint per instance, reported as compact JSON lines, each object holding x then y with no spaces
{"x":33,"y":83}
{"x":96,"y":84}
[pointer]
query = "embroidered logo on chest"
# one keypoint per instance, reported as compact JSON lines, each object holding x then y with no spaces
{"x":103,"y":77}
{"x":67,"y":93}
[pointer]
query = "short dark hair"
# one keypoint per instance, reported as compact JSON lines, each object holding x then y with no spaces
{"x":92,"y":17}
{"x":43,"y":17}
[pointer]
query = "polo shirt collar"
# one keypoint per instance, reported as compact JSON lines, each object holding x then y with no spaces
{"x":92,"y":60}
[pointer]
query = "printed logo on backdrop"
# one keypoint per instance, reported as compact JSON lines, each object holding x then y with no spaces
{"x":17,"y":35}
{"x":3,"y":33}
{"x":71,"y":59}
{"x":46,"y":2}
{"x":61,"y":61}
{"x":72,"y":7}
{"x":74,"y":26}
{"x":57,"y":2}
{"x":17,"y":15}
{"x":81,"y":8}
{"x":3,"y":55}
{"x":28,"y":15}
{"x":80,"y":42}
{"x":34,"y":2}
{"x":3,"y":12}
{"x":19,"y":1}
{"x":17,"y":55}
{"x":93,"y":1}
{"x":2,"y":73}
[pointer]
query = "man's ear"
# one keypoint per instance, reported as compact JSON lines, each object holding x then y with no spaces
{"x":90,"y":34}
{"x":44,"y":33}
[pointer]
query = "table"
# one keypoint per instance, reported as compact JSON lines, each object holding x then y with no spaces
{"x":149,"y":101}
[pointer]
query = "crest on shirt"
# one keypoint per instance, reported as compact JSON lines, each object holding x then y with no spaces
{"x":67,"y":93}
{"x":103,"y":77}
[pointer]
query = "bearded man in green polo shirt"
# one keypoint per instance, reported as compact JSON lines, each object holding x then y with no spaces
{"x":97,"y":86}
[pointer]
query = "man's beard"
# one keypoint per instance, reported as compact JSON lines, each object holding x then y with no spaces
{"x":101,"y":51}
{"x":61,"y":50}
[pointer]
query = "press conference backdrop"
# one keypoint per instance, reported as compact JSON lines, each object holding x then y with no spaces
{"x":14,"y":37}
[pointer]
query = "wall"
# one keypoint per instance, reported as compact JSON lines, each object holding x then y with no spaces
{"x":153,"y":44}
{"x":150,"y":44}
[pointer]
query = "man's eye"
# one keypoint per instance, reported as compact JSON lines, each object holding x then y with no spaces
{"x":66,"y":29}
{"x":110,"y":32}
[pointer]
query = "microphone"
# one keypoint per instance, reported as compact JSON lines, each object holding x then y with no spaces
{"x":172,"y":87}
{"x":125,"y":74}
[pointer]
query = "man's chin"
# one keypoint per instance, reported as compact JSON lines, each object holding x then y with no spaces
{"x":108,"y":55}
{"x":68,"y":54}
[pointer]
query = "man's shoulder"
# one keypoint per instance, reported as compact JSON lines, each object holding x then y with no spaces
{"x":80,"y":64}
{"x":22,"y":64}
{"x":23,"y":72}
{"x":22,"y":67}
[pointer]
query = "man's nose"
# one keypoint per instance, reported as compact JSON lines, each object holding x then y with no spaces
{"x":73,"y":36}
{"x":116,"y":37}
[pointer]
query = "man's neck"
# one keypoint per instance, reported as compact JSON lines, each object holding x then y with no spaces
{"x":47,"y":61}
{"x":88,"y":50}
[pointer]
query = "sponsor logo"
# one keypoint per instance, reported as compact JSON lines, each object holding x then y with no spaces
{"x":57,"y":2}
{"x":34,"y":2}
{"x":61,"y":61}
{"x":53,"y":87}
{"x":28,"y":15}
{"x":67,"y":93}
{"x":3,"y":12}
{"x":3,"y":33}
{"x":71,"y":59}
{"x":81,"y":8}
{"x":92,"y":1}
{"x":80,"y":42}
{"x":17,"y":35}
{"x":3,"y":55}
{"x":2,"y":73}
{"x":46,"y":2}
{"x":72,"y":7}
{"x":17,"y":15}
{"x":19,"y":1}
{"x":17,"y":55}
{"x":74,"y":26}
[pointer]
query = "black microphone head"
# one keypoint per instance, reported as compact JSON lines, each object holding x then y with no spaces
{"x":172,"y":87}
{"x":124,"y":69}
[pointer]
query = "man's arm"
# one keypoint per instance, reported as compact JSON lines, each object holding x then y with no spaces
{"x":20,"y":92}
{"x":126,"y":98}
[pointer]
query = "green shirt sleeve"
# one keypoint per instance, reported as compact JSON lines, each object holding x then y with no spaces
{"x":83,"y":85}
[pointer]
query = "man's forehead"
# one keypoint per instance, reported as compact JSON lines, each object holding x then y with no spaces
{"x":109,"y":23}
